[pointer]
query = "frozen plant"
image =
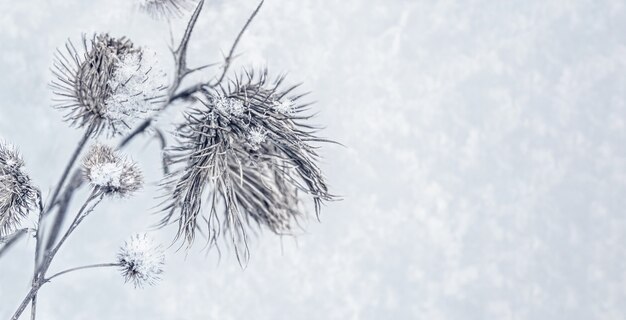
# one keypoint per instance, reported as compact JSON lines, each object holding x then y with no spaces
{"x":17,"y":194}
{"x":111,"y":173}
{"x":213,"y":152}
{"x":108,"y":85}
{"x":243,"y":155}
{"x":141,"y":260}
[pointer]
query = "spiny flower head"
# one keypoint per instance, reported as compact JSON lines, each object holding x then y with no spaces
{"x":141,"y":260}
{"x":111,"y":173}
{"x":253,"y":162}
{"x":109,"y":85}
{"x":160,"y":9}
{"x":17,"y":194}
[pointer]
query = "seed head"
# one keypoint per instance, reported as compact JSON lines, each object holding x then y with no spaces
{"x":141,"y":260}
{"x":251,"y":162}
{"x":111,"y":173}
{"x":17,"y":195}
{"x":108,"y":86}
{"x":165,"y":9}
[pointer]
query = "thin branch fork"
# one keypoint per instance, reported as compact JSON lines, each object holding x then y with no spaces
{"x":188,"y":92}
{"x":41,"y":273}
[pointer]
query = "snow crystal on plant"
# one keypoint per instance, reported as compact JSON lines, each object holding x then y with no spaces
{"x":222,"y":104}
{"x":137,"y":86}
{"x":283,"y":107}
{"x":107,"y":175}
{"x":229,"y":106}
{"x":236,"y":107}
{"x":110,"y":172}
{"x":256,"y":136}
{"x":141,"y":260}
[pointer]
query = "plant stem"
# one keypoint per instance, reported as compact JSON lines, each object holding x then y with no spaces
{"x":68,"y":167}
{"x":41,"y":272}
{"x":53,"y":200}
{"x":91,"y":266}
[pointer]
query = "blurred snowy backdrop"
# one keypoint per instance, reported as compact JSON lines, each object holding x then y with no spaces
{"x":484,"y":175}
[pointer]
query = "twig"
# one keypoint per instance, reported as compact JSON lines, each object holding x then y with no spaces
{"x":91,"y":266}
{"x":164,"y":157}
{"x":180,"y":61}
{"x":10,"y":237}
{"x":188,"y":92}
{"x":82,"y":213}
{"x":228,"y":58}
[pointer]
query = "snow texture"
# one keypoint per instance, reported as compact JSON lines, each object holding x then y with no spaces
{"x":483,"y":176}
{"x":137,"y":89}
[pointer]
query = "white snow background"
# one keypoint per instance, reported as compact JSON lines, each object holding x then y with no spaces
{"x":484,"y":172}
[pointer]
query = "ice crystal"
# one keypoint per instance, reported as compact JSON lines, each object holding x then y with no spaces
{"x":256,"y":137}
{"x":17,"y":194}
{"x":108,"y":85}
{"x":284,"y":107}
{"x":111,"y":173}
{"x":141,"y":260}
{"x":228,"y":106}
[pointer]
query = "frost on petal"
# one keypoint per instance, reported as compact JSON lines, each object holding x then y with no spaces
{"x":141,"y":260}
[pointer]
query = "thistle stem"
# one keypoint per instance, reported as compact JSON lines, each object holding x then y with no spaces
{"x":41,"y":271}
{"x":68,"y":167}
{"x":58,"y":221}
{"x":91,"y":266}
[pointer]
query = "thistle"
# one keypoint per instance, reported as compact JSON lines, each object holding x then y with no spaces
{"x":141,"y":261}
{"x":165,"y":8}
{"x":17,"y":195}
{"x":110,"y":173}
{"x":248,"y":151}
{"x":108,"y":86}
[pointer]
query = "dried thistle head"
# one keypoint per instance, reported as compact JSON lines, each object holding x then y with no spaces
{"x":141,"y":260}
{"x":17,"y":194}
{"x":247,"y":150}
{"x":107,"y":85}
{"x":111,"y":173}
{"x":165,"y":9}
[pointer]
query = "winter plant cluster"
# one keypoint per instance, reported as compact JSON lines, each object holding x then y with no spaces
{"x":244,"y":153}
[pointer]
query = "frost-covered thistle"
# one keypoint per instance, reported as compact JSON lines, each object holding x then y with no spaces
{"x":107,"y":85}
{"x":165,"y":8}
{"x":252,"y":162}
{"x":111,"y":173}
{"x":17,"y":195}
{"x":141,"y":260}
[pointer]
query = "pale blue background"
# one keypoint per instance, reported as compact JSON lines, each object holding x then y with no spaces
{"x":484,"y":175}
